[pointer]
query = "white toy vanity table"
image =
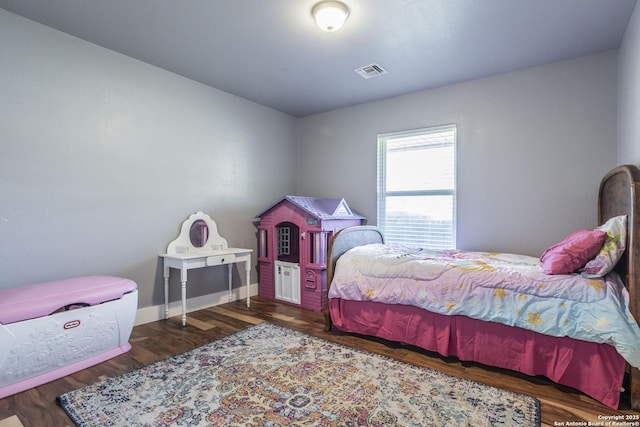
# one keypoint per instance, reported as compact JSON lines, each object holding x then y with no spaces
{"x":199,"y":245}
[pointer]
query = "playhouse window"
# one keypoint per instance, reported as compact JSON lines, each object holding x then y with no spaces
{"x":318,"y":247}
{"x":284,"y":241}
{"x":288,"y":244}
{"x":263,"y":251}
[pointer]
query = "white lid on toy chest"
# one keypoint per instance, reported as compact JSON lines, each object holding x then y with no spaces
{"x":43,"y":299}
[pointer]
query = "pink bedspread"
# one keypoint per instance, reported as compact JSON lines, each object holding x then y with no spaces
{"x":595,"y":369}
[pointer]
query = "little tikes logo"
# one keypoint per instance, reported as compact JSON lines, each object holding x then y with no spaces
{"x":72,"y":324}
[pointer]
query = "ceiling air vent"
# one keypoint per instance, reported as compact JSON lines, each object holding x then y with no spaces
{"x":370,"y":71}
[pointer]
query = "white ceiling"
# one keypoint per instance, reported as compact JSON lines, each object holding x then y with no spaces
{"x":271,"y":52}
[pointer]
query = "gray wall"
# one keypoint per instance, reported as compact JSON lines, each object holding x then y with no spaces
{"x":629,"y":93}
{"x":102,"y":157}
{"x":532,"y":148}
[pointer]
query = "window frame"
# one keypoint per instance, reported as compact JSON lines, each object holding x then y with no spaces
{"x":284,"y":241}
{"x":382,"y":193}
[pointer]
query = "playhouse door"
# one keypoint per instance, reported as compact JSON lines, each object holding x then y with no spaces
{"x":287,"y":281}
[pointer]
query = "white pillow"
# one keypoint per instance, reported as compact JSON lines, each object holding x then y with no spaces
{"x":612,"y":249}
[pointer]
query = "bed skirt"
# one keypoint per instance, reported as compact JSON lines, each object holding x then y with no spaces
{"x":594,"y":369}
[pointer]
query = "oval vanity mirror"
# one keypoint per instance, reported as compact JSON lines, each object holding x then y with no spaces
{"x":199,"y":233}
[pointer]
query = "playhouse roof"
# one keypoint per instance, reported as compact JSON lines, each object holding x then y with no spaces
{"x":319,"y":208}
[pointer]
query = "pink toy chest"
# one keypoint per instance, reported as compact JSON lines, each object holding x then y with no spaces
{"x":50,"y":330}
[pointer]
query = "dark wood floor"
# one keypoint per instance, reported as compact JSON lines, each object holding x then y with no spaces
{"x":158,"y":340}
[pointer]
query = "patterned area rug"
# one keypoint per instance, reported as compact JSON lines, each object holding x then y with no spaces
{"x":267,"y":375}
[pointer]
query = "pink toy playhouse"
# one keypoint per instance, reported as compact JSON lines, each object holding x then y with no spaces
{"x":293,"y":241}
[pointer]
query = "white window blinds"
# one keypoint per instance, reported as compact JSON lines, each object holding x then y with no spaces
{"x":417,"y":187}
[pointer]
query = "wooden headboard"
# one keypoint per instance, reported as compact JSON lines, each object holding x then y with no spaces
{"x":620,"y":195}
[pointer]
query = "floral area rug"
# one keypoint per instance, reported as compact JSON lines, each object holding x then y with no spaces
{"x":268,"y":375}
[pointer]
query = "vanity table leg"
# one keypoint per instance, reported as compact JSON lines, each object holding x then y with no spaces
{"x":184,"y":303}
{"x":230,"y":281}
{"x":166,"y":292}
{"x":183,"y":280}
{"x":247,"y":268}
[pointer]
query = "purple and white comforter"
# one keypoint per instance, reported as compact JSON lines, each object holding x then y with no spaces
{"x":504,"y":288}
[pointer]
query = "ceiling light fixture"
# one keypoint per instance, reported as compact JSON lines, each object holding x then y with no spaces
{"x":330,"y":15}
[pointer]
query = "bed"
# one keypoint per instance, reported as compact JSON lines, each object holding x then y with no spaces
{"x":382,"y":311}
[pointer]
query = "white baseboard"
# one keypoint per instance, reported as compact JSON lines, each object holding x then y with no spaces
{"x":156,"y":312}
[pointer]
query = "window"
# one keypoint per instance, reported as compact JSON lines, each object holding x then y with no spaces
{"x":417,"y":187}
{"x":284,"y":241}
{"x":318,"y":247}
{"x":263,"y":250}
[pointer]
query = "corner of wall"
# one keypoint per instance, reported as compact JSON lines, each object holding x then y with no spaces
{"x":628,"y":146}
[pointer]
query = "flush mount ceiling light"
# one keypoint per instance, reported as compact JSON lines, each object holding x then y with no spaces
{"x":330,"y":15}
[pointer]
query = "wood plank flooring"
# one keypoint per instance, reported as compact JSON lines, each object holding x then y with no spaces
{"x":158,"y":340}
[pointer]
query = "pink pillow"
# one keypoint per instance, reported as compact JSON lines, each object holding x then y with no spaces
{"x":573,"y":252}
